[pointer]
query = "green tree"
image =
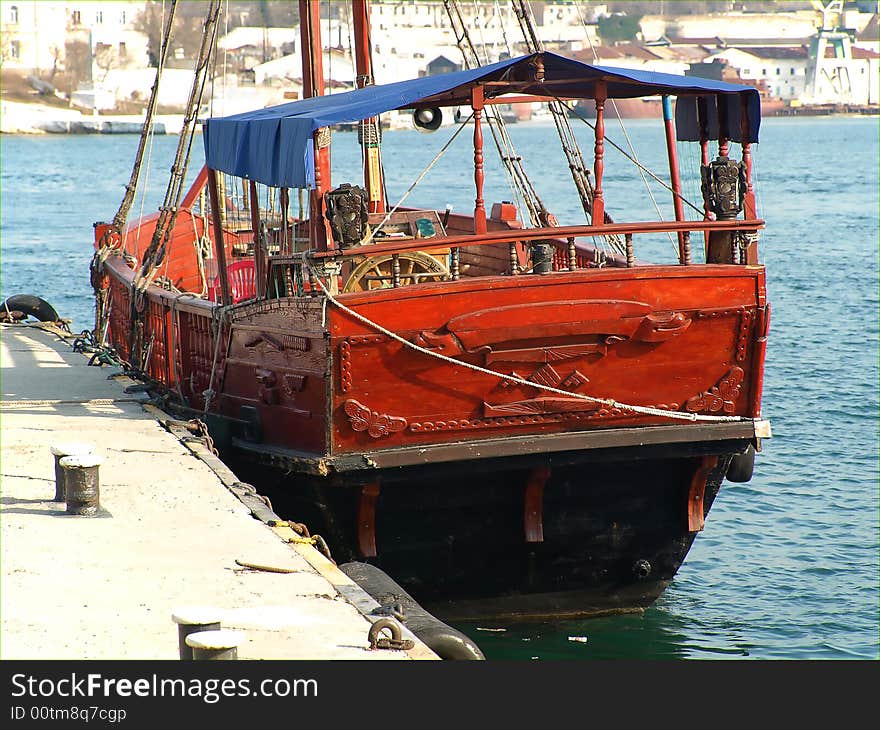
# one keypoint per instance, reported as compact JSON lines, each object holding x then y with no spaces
{"x":613,"y":28}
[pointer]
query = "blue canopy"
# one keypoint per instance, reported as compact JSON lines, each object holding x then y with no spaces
{"x":274,"y":145}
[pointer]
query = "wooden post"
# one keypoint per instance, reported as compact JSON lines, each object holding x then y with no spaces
{"x":284,"y":205}
{"x":723,"y":127}
{"x":703,"y":123}
{"x":599,"y":159}
{"x":259,"y":252}
{"x":219,"y":242}
{"x":674,"y":176}
{"x":313,"y":85}
{"x":750,"y":209}
{"x":370,"y":127}
{"x":479,"y":203}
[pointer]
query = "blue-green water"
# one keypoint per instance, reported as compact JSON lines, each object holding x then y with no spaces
{"x":787,"y":566}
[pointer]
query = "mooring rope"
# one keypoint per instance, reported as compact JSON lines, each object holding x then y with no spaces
{"x":611,"y":403}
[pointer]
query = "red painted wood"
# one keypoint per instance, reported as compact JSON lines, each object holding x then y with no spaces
{"x":679,"y":341}
{"x":675,"y":181}
{"x":219,"y":249}
{"x":479,"y":203}
{"x":703,"y":122}
{"x":723,"y":131}
{"x":598,"y":217}
{"x":762,"y":329}
{"x":696,"y":511}
{"x":313,"y":85}
{"x":364,"y":77}
{"x":559,"y":233}
{"x":193,"y":193}
{"x":259,"y":251}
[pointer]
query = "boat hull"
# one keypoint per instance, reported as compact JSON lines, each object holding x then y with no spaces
{"x":482,"y":494}
{"x":614,"y":527}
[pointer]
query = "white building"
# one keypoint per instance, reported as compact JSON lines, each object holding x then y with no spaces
{"x":287,"y":71}
{"x":782,"y":69}
{"x":34,"y":36}
{"x":785,"y":71}
{"x":794,"y":26}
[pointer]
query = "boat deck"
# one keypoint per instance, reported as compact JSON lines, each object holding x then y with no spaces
{"x":169,"y":535}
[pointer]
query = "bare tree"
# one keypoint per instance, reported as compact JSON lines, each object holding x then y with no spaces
{"x":149,"y":22}
{"x":105,"y":58}
{"x":77,"y":66}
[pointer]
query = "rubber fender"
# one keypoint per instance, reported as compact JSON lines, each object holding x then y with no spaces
{"x":33,"y":306}
{"x":445,"y":641}
{"x":742,"y":466}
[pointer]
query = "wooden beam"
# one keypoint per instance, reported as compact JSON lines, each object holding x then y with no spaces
{"x":219,"y":240}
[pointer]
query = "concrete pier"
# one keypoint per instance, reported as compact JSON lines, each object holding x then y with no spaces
{"x":171,"y":534}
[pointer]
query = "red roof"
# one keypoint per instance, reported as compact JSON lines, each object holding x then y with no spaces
{"x":621,"y":50}
{"x":856,"y":53}
{"x":771,"y":52}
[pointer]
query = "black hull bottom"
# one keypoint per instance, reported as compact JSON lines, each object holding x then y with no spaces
{"x":615,"y":530}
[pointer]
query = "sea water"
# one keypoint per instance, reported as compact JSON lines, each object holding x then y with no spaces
{"x":787,"y":566}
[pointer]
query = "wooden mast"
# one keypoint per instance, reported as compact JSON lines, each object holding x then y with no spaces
{"x":369,"y":137}
{"x":313,"y":85}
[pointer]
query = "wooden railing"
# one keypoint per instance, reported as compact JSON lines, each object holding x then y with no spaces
{"x":525,"y":235}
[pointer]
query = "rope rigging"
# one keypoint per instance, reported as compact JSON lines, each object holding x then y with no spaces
{"x":125,"y":206}
{"x":157,"y":250}
{"x":513,"y":163}
{"x":632,"y":158}
{"x":579,"y":172}
{"x":112,"y":239}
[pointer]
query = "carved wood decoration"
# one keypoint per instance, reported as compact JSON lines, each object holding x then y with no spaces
{"x":721,"y":397}
{"x":487,"y":330}
{"x":375,"y":424}
{"x":628,"y":347}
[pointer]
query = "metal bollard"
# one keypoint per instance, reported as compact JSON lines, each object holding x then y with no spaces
{"x":222,"y":644}
{"x":81,"y":486}
{"x":193,"y":620}
{"x":59,"y":451}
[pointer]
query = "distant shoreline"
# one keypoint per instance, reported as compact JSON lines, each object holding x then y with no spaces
{"x":20,"y":118}
{"x":37,"y":119}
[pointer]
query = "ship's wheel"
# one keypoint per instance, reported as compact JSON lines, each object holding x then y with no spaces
{"x":377,"y":272}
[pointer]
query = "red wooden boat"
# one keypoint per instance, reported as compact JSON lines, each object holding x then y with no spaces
{"x":507,"y":418}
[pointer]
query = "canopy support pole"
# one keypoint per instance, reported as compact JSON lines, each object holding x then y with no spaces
{"x":479,"y":176}
{"x":259,"y":243}
{"x":313,"y":85}
{"x":219,"y":242}
{"x":598,"y":215}
{"x":684,"y":254}
{"x":369,"y":128}
{"x":749,"y":205}
{"x":703,"y":126}
{"x":723,"y":130}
